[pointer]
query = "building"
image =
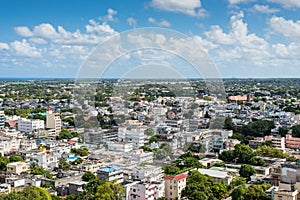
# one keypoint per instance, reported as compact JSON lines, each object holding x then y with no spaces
{"x":30,"y":125}
{"x":47,"y":160}
{"x":147,"y":173}
{"x":53,"y":121}
{"x":282,"y":194}
{"x":135,"y":136}
{"x":2,"y":119}
{"x":277,"y":142}
{"x":218,"y":176}
{"x":100,"y":137}
{"x":174,"y":186}
{"x":120,"y":146}
{"x":292,"y":142}
{"x":146,"y":190}
{"x":18,"y":167}
{"x":111,"y":173}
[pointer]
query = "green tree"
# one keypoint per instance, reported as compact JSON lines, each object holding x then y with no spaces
{"x":88,"y":176}
{"x":109,"y":191}
{"x":62,"y":164}
{"x":153,"y":139}
{"x":296,"y":130}
{"x":238,"y":193}
{"x":246,"y":171}
{"x":15,"y":159}
{"x":149,"y":132}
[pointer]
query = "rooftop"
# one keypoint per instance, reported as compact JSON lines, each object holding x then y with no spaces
{"x":109,"y":169}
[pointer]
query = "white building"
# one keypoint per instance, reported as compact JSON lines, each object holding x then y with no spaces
{"x":120,"y":146}
{"x":134,"y":136}
{"x":147,"y":173}
{"x":111,"y":173}
{"x":28,"y":125}
{"x":17,"y":167}
{"x":146,"y":190}
{"x":2,"y":119}
{"x":143,"y":157}
{"x":218,"y":176}
{"x":174,"y":186}
{"x":8,"y":144}
{"x":53,"y":121}
{"x":44,"y":159}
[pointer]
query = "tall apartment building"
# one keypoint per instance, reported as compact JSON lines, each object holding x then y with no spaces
{"x":2,"y":119}
{"x":53,"y":121}
{"x":174,"y":186}
{"x":28,"y":125}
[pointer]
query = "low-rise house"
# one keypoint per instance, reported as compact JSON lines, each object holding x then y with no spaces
{"x":174,"y":186}
{"x":18,"y":167}
{"x":218,"y":176}
{"x":120,"y":146}
{"x":76,"y":187}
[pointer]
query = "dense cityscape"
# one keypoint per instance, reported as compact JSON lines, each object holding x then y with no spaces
{"x":159,"y":146}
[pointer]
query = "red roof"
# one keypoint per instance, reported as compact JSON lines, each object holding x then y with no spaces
{"x":177,"y":177}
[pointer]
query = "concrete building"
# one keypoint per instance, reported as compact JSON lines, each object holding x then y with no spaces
{"x":101,"y":136}
{"x":120,"y":146}
{"x":2,"y":119}
{"x":292,"y":142}
{"x":53,"y":121}
{"x":30,"y":125}
{"x":47,"y":160}
{"x":17,"y":167}
{"x":8,"y":144}
{"x":147,"y":173}
{"x":134,"y":136}
{"x":218,"y":176}
{"x":111,"y":173}
{"x":146,"y":190}
{"x":174,"y":186}
{"x":282,"y":194}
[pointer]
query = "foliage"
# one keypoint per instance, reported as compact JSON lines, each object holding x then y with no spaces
{"x":66,"y":134}
{"x":197,"y":148}
{"x":246,"y":171}
{"x":15,"y":159}
{"x":77,"y":161}
{"x":109,"y":191}
{"x":63,"y":164}
{"x":241,"y":154}
{"x":29,"y":193}
{"x":149,"y":132}
{"x":153,"y":139}
{"x":88,"y":176}
{"x":296,"y":130}
{"x":270,"y":151}
{"x":257,"y":128}
{"x":253,"y":192}
{"x":80,"y":151}
{"x":201,"y":187}
{"x":39,"y":170}
{"x":146,"y":148}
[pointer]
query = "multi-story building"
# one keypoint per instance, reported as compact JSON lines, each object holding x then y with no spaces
{"x":174,"y":186}
{"x":18,"y":167}
{"x":120,"y":146}
{"x":111,"y":173}
{"x":47,"y":160}
{"x":53,"y":121}
{"x":292,"y":142}
{"x":30,"y":125}
{"x":146,"y":190}
{"x":8,"y":144}
{"x":101,"y":136}
{"x":2,"y":119}
{"x":134,"y":136}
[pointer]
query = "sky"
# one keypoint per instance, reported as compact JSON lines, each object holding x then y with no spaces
{"x":243,"y":38}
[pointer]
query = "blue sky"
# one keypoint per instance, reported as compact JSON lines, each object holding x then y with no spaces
{"x":244,"y":38}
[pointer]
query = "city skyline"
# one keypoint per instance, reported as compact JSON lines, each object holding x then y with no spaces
{"x":244,"y":38}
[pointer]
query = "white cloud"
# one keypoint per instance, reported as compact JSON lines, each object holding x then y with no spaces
{"x":162,"y":22}
{"x":23,"y":31}
{"x":287,"y":3}
{"x":110,"y":16}
{"x":4,"y":46}
{"x":287,"y":28}
{"x":132,"y":22}
{"x":38,"y":40}
{"x":264,"y":9}
{"x":188,"y":7}
{"x":23,"y":48}
{"x":233,"y":2}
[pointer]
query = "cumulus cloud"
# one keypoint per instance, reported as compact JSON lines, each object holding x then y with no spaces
{"x":287,"y":28}
{"x":188,"y":7}
{"x":233,"y":2}
{"x":4,"y":46}
{"x":23,"y":48}
{"x":132,"y":22}
{"x":162,"y":22}
{"x":23,"y":31}
{"x":264,"y":9}
{"x":287,"y":3}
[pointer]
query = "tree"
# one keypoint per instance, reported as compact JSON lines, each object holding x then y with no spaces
{"x":238,"y":193}
{"x":246,"y":171}
{"x":62,"y":164}
{"x":15,"y":159}
{"x":88,"y":176}
{"x":149,"y":132}
{"x":29,"y":193}
{"x":80,"y":151}
{"x":153,"y":139}
{"x":296,"y":130}
{"x":109,"y":191}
